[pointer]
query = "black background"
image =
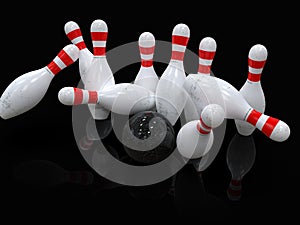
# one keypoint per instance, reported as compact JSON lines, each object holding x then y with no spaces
{"x":33,"y":34}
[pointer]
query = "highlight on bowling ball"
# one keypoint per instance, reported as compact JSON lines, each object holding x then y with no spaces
{"x":148,"y":137}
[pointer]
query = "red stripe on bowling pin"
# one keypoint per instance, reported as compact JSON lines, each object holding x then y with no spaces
{"x":146,"y":55}
{"x":76,"y":37}
{"x":84,"y":96}
{"x":264,"y":123}
{"x":63,"y":59}
{"x":99,"y":34}
{"x":256,"y":62}
{"x":202,"y":127}
{"x":207,"y":50}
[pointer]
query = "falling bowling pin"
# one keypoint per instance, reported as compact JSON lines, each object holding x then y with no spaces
{"x":252,"y":90}
{"x":240,"y":158}
{"x":199,"y":87}
{"x":170,"y":95}
{"x":147,"y":76}
{"x":195,"y":138}
{"x":27,"y":90}
{"x":207,"y":51}
{"x":122,"y":98}
{"x":74,"y":34}
{"x":99,"y":73}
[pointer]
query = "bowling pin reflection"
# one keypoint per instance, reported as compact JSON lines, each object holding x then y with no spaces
{"x":191,"y":198}
{"x":95,"y":130}
{"x":240,"y":158}
{"x":48,"y":174}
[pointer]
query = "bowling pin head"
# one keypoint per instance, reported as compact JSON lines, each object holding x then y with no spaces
{"x":256,"y":61}
{"x":207,"y":50}
{"x":146,"y":47}
{"x":99,"y":33}
{"x":73,"y":32}
{"x":180,"y":38}
{"x":77,"y":96}
{"x":211,"y":117}
{"x":67,"y":56}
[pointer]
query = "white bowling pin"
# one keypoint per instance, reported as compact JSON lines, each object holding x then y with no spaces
{"x":252,"y":90}
{"x":170,"y":95}
{"x":99,"y":73}
{"x":207,"y":50}
{"x":195,"y":138}
{"x":240,"y":158}
{"x":122,"y":98}
{"x":27,"y":90}
{"x":203,"y":90}
{"x":147,"y":76}
{"x":74,"y":34}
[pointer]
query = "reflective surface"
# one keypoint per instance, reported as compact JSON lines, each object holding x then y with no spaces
{"x":45,"y":133}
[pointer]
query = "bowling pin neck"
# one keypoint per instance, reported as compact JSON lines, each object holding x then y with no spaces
{"x":273,"y":128}
{"x":179,"y":44}
{"x":203,"y":128}
{"x":76,"y":38}
{"x":146,"y":56}
{"x":67,"y":56}
{"x":205,"y":61}
{"x":255,"y":69}
{"x":99,"y":43}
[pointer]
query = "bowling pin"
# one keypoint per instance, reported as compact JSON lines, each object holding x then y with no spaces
{"x":207,"y":50}
{"x":122,"y":98}
{"x":27,"y":90}
{"x":199,"y":87}
{"x":240,"y":158}
{"x":147,"y":76}
{"x":99,"y":73}
{"x":252,"y":90}
{"x":74,"y":34}
{"x":170,"y":95}
{"x":195,"y":138}
{"x":45,"y":173}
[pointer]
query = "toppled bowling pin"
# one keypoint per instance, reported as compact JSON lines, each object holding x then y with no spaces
{"x":196,"y":137}
{"x":199,"y":88}
{"x":27,"y":90}
{"x":123,"y":98}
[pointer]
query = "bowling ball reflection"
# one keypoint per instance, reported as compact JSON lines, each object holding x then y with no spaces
{"x":149,"y":137}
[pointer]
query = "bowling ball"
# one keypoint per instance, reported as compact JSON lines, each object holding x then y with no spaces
{"x":148,"y":137}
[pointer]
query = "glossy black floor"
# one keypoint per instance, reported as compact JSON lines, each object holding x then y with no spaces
{"x":44,"y":134}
